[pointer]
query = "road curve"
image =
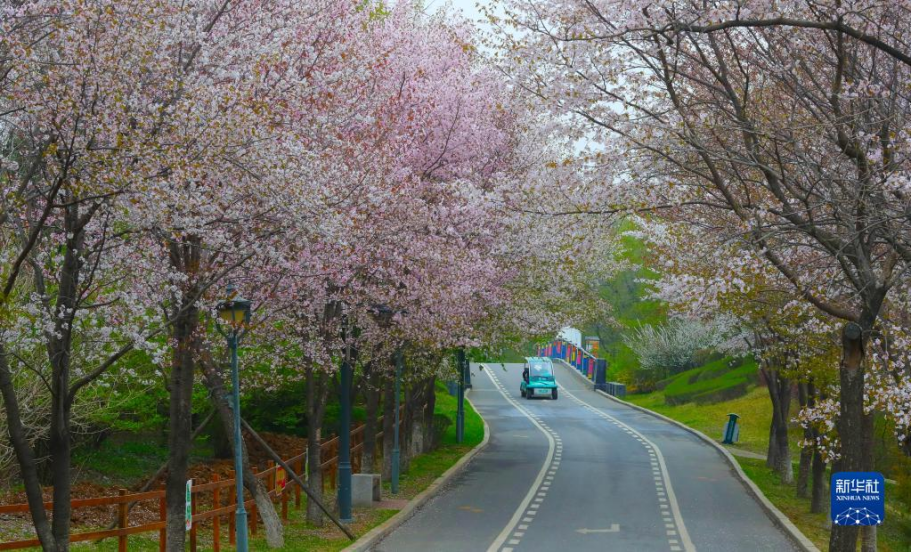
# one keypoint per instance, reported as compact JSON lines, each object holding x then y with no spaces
{"x":585,"y":473}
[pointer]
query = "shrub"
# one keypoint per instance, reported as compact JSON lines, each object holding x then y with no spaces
{"x":722,"y":380}
{"x":679,"y":344}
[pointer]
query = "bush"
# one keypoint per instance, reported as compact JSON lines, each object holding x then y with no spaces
{"x":277,"y":411}
{"x":678,"y":345}
{"x":722,"y":380}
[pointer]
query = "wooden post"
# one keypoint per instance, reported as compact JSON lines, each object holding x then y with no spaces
{"x":122,"y":522}
{"x":285,"y":500}
{"x":232,"y":531}
{"x":335,"y":449}
{"x":252,"y":510}
{"x":271,"y":479}
{"x":163,"y":517}
{"x":193,"y":501}
{"x":298,"y":469}
{"x":216,"y":521}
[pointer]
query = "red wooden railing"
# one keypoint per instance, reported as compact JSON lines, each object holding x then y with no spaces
{"x":222,"y":494}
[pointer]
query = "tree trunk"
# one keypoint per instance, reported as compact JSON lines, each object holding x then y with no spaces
{"x":314,"y":475}
{"x":317,"y":394}
{"x":868,"y":539}
{"x":223,"y":404}
{"x":868,"y":533}
{"x":779,"y":458}
{"x":852,"y":424}
{"x":372,"y":392}
{"x":24,"y":455}
{"x":222,"y":442}
{"x":784,"y":467}
{"x":180,"y":423}
{"x":60,"y":458}
{"x":771,"y":459}
{"x":803,"y":471}
{"x":430,"y":400}
{"x":388,"y":426}
{"x":59,"y":350}
{"x":819,"y":500}
{"x":806,"y":397}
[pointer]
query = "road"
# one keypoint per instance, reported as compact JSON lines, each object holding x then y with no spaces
{"x":585,"y":473}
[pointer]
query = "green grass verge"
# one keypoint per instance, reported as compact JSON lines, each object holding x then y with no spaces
{"x":890,"y":536}
{"x":754,"y":408}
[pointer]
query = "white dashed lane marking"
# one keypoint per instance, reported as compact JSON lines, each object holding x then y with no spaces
{"x":663,"y":488}
{"x":528,"y":508}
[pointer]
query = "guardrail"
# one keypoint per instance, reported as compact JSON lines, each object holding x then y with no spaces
{"x":595,"y":369}
{"x":577,"y":357}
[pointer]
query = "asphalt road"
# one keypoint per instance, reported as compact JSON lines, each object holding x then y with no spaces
{"x":585,"y":473}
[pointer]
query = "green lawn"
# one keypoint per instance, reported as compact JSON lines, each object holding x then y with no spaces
{"x":755,"y":410}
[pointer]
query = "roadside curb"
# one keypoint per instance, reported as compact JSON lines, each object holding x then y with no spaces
{"x":378,"y":533}
{"x":774,"y":513}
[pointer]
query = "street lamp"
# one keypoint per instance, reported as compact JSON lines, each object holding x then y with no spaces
{"x":235,"y":312}
{"x":396,"y":451}
{"x":344,"y":437}
{"x":460,"y":412}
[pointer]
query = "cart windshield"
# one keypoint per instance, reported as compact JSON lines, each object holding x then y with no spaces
{"x":540,"y":371}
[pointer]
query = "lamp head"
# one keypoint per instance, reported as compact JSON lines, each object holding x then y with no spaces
{"x":235,"y":310}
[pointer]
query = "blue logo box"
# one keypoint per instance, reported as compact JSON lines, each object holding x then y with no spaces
{"x":858,"y":498}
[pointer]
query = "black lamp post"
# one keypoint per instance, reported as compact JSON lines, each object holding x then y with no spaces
{"x":460,"y":412}
{"x":344,"y":438}
{"x":235,"y":312}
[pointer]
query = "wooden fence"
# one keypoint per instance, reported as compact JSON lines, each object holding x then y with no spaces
{"x":220,"y":491}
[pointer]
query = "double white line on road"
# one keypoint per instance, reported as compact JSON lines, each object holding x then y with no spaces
{"x":527,"y":510}
{"x":678,"y":536}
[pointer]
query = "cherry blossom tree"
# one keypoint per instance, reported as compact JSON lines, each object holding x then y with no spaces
{"x":793,"y":143}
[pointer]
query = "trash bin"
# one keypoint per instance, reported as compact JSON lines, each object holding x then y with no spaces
{"x":731,"y":430}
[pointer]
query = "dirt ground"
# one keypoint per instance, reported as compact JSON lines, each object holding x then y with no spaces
{"x":18,"y":526}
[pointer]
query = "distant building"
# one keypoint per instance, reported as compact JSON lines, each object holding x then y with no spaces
{"x":571,"y":335}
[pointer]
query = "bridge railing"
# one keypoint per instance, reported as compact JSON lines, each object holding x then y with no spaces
{"x":577,"y":357}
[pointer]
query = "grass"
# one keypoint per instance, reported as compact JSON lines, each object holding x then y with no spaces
{"x":721,"y":379}
{"x":754,"y":408}
{"x":890,"y":536}
{"x":510,"y":356}
{"x":127,"y":461}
